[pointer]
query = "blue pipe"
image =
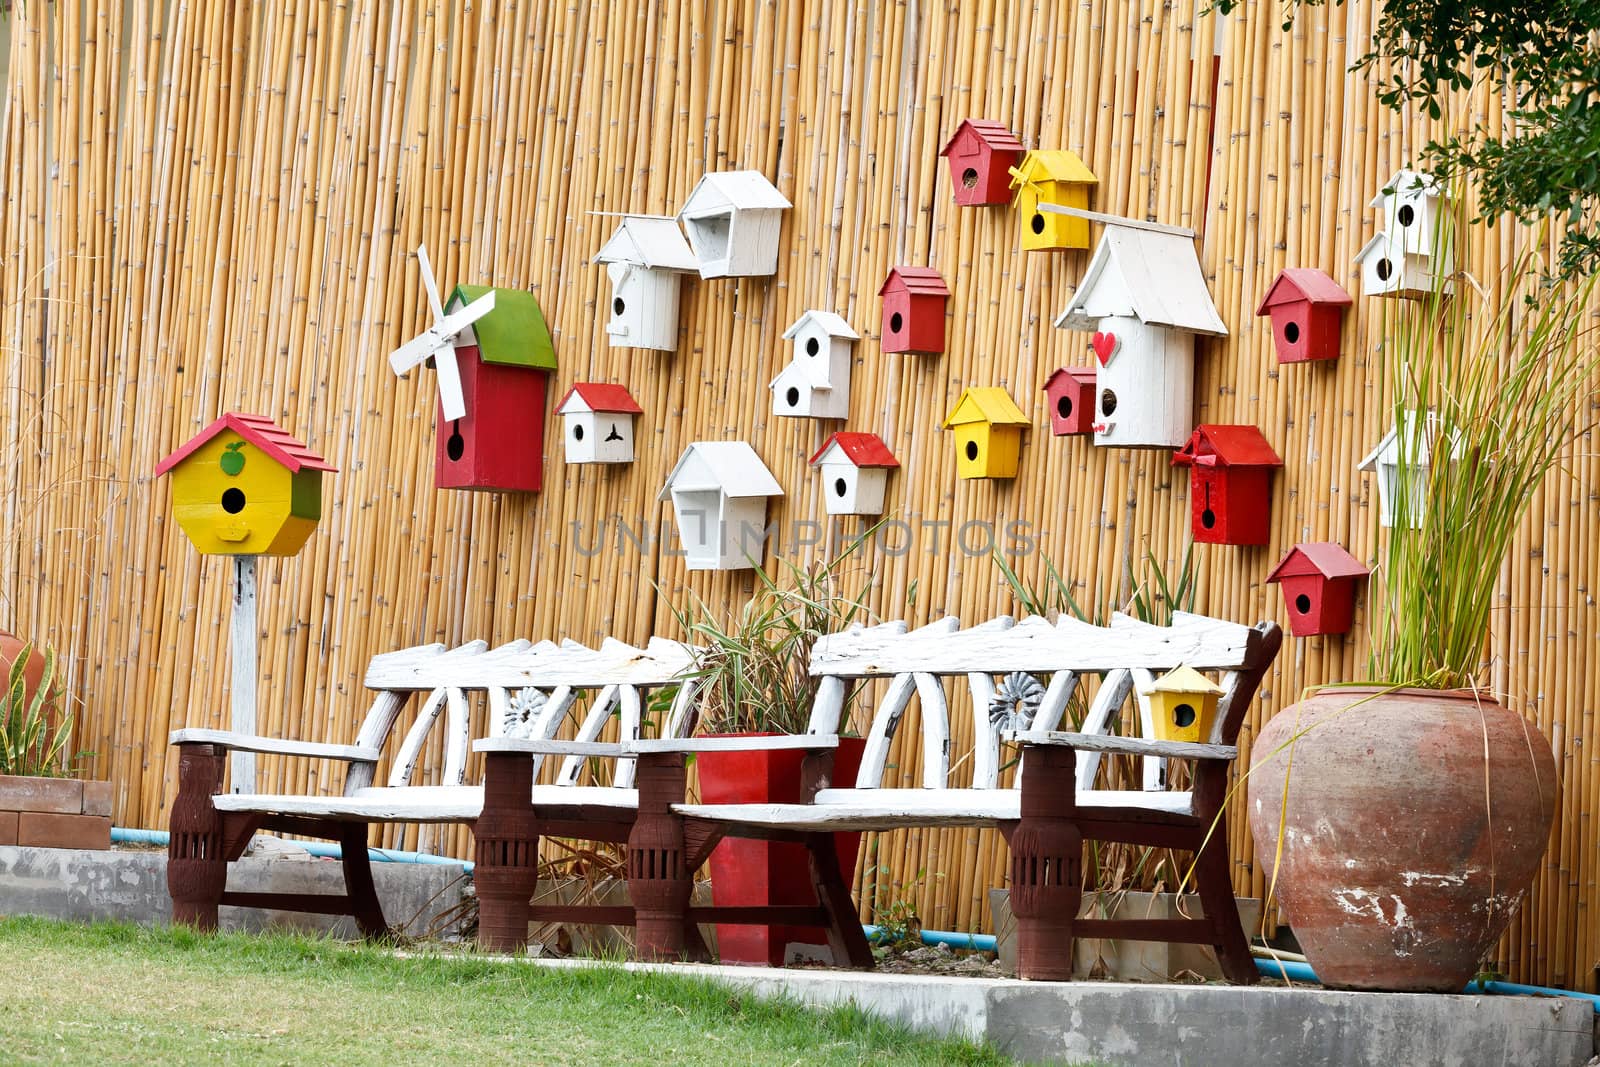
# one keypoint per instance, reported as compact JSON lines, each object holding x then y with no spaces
{"x":122,"y":835}
{"x":1302,"y":972}
{"x":953,"y":938}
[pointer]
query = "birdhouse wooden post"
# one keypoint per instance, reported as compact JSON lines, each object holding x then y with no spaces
{"x":733,"y":219}
{"x":1143,"y":299}
{"x":1403,"y":462}
{"x":1183,"y":706}
{"x":646,"y":258}
{"x":1057,"y":177}
{"x":855,"y":471}
{"x":719,"y":492}
{"x":1318,"y":581}
{"x":1069,"y":393}
{"x":988,"y":426}
{"x":913,"y":310}
{"x":243,"y":487}
{"x":1307,"y":311}
{"x":816,"y":382}
{"x":981,"y":154}
{"x":493,"y":355}
{"x":1230,"y":484}
{"x":599,"y":423}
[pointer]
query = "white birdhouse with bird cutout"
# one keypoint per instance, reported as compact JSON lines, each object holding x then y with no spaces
{"x":598,"y":423}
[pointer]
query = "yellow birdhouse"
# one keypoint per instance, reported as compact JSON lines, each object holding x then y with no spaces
{"x":988,"y":427}
{"x":1057,"y":177}
{"x":244,"y":487}
{"x":1183,"y":705}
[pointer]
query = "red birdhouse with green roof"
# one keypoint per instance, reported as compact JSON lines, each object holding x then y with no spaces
{"x":1230,"y":484}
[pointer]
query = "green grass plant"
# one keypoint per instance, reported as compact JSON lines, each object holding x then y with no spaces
{"x":35,"y":730}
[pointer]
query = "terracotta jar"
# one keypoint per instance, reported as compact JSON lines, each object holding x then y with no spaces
{"x":1414,"y":826}
{"x":11,"y":647}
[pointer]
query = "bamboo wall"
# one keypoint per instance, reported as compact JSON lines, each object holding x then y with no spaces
{"x":217,"y":211}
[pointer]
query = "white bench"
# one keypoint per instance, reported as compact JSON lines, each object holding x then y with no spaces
{"x":1044,"y":816}
{"x":531,"y":689}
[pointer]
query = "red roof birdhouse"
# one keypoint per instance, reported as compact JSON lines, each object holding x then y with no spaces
{"x":913,"y":310}
{"x":855,"y":469}
{"x":1307,"y":309}
{"x":1319,"y":587}
{"x":981,"y":154}
{"x":1230,"y":484}
{"x":1070,"y":394}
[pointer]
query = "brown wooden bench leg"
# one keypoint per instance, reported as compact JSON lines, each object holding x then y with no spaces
{"x":846,"y":939}
{"x":364,"y":904}
{"x":506,"y":872}
{"x":1046,"y":865}
{"x":660,"y":880}
{"x":1216,"y":896}
{"x":197,"y":862}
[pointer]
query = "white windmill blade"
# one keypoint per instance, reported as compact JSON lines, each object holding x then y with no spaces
{"x":452,"y":404}
{"x":452,"y":324}
{"x":429,"y":282}
{"x":424,"y":346}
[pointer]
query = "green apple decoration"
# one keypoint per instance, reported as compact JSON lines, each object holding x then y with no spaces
{"x":232,"y":461}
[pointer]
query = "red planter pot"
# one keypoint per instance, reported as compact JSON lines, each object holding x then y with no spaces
{"x":745,"y":873}
{"x":1414,"y":825}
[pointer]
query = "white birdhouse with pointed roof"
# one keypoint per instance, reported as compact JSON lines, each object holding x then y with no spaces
{"x":1143,"y":299}
{"x":646,"y":258}
{"x":855,"y":471}
{"x":732,"y":219}
{"x":1412,"y":208}
{"x":1389,"y":267}
{"x":719,"y":492}
{"x":816,"y":382}
{"x":1403,"y":462}
{"x":598,"y":423}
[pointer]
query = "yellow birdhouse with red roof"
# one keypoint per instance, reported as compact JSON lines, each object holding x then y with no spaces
{"x":988,"y":426}
{"x":244,"y":487}
{"x":1183,"y":705}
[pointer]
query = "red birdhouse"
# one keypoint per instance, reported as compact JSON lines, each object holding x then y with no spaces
{"x":1319,"y":587}
{"x":1070,"y":394}
{"x":913,"y":310}
{"x":981,"y":154}
{"x":1230,"y":484}
{"x":1307,"y":309}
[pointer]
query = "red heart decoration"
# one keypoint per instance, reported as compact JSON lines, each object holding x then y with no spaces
{"x":1105,"y":346}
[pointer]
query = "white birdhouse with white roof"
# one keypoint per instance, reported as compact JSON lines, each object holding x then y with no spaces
{"x":1412,"y":209}
{"x":855,"y":472}
{"x":1412,"y":253}
{"x":733,"y":219}
{"x":597,"y":423}
{"x":719,"y":492}
{"x":815,"y":384}
{"x":1403,"y":462}
{"x":646,"y":258}
{"x":1143,"y":299}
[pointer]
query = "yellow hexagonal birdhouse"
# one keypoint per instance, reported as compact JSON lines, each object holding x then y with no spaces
{"x":245,"y":487}
{"x":988,"y":426}
{"x":1183,"y":705}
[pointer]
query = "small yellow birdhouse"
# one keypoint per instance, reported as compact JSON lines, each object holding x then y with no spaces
{"x":244,"y":487}
{"x":1183,"y":705}
{"x":988,"y":427}
{"x":1052,"y":177}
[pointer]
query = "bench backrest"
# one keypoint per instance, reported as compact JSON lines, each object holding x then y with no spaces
{"x":1128,"y":654}
{"x":531,"y":687}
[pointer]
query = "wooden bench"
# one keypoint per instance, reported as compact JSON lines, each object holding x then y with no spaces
{"x":1054,"y":805}
{"x":530,"y":690}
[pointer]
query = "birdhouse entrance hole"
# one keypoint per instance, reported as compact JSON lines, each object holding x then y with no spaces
{"x":1302,"y":604}
{"x":233,"y":500}
{"x":1291,"y":332}
{"x":617,"y":306}
{"x":1208,"y":518}
{"x":1383,"y":269}
{"x":896,"y":321}
{"x":839,"y":487}
{"x":1108,"y":402}
{"x":1038,"y":222}
{"x":456,"y":446}
{"x":812,"y":348}
{"x":972,"y":450}
{"x":1406,"y":215}
{"x":792,"y":396}
{"x":1183,"y":715}
{"x":1064,"y":407}
{"x":969,"y":177}
{"x":577,"y":432}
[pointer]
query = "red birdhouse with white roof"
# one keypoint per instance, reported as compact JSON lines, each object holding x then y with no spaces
{"x":599,"y":423}
{"x":981,"y":154}
{"x":1070,"y":396}
{"x":1319,"y":587}
{"x":855,"y":469}
{"x":1230,"y":484}
{"x":1307,"y":311}
{"x":913,"y":310}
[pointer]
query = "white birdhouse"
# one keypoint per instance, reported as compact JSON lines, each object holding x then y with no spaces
{"x":719,"y":492}
{"x":816,"y":382}
{"x":1403,"y":462}
{"x":646,"y":258}
{"x":1412,"y":210}
{"x":732,"y":219}
{"x":598,"y":423}
{"x":855,"y":470}
{"x":1143,"y":299}
{"x":1389,"y":267}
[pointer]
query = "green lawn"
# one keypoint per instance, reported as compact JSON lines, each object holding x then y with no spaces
{"x":123,"y":994}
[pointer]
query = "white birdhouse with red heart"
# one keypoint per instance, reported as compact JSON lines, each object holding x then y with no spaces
{"x":1142,"y":301}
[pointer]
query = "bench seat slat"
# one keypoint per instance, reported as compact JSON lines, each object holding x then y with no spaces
{"x":1139,"y":746}
{"x":870,"y":809}
{"x":419,"y":803}
{"x":280,"y":745}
